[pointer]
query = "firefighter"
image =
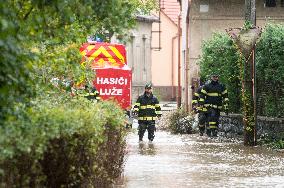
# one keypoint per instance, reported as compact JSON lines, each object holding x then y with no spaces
{"x":202,"y":112}
{"x":147,"y":108}
{"x":90,"y":92}
{"x":214,"y":97}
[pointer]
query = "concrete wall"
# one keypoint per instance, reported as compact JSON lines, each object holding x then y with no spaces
{"x":150,"y":64}
{"x":184,"y":49}
{"x":139,"y":56}
{"x":208,"y":16}
{"x":139,"y":53}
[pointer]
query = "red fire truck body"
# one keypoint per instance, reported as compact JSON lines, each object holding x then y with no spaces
{"x":113,"y":76}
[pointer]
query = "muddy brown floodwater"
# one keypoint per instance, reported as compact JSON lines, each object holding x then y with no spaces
{"x":194,"y":161}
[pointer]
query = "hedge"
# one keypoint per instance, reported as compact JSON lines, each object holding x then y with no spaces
{"x":177,"y":122}
{"x":65,"y":142}
{"x":219,"y":55}
{"x":270,"y":71}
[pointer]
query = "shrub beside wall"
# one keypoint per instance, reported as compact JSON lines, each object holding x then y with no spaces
{"x":219,"y":55}
{"x":177,"y":122}
{"x":62,"y":143}
{"x":270,"y":71}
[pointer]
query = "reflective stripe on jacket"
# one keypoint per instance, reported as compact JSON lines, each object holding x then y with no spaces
{"x":196,"y":96}
{"x":91,"y":94}
{"x":214,"y":95}
{"x":148,"y":107}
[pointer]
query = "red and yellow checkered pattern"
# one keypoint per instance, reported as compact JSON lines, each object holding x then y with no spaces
{"x":104,"y":54}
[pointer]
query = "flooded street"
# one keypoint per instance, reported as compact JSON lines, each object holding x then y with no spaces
{"x":193,"y":161}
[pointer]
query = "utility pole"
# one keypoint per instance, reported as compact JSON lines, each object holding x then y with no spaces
{"x":245,"y":39}
{"x":250,"y":11}
{"x":249,"y":82}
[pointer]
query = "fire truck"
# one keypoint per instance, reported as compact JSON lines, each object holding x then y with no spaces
{"x":113,"y":75}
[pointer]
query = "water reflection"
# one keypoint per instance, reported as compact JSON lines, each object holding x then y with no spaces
{"x":147,"y":148}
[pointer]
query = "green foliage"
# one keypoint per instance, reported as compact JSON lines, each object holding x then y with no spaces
{"x":122,"y":18}
{"x":180,"y":122}
{"x":40,"y":39}
{"x":15,"y":67}
{"x":279,"y":144}
{"x":65,"y":136}
{"x":220,"y":56}
{"x":247,"y":25}
{"x":44,"y":134}
{"x":272,"y":142}
{"x":270,"y":71}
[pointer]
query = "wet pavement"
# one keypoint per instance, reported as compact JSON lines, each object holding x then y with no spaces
{"x":175,"y":161}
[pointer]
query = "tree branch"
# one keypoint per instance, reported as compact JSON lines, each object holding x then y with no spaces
{"x":28,"y":13}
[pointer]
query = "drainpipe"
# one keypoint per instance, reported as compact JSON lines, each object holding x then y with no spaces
{"x":179,"y":63}
{"x":173,"y":75}
{"x":187,"y":61}
{"x":144,"y":74}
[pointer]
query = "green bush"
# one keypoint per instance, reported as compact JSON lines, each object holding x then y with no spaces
{"x":220,"y":56}
{"x":56,"y":142}
{"x":62,"y":143}
{"x":36,"y":36}
{"x":272,"y":141}
{"x":180,"y":122}
{"x":270,"y":71}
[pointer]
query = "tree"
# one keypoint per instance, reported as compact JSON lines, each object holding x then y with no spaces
{"x":40,"y":38}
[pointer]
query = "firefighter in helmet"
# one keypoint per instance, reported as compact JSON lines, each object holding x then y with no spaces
{"x":147,"y":108}
{"x":214,"y":97}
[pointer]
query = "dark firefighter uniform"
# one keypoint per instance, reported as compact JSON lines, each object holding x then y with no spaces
{"x":214,"y":97}
{"x":200,"y":109}
{"x":148,"y":109}
{"x":90,"y":93}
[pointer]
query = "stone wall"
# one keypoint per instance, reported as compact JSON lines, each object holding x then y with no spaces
{"x":232,"y":126}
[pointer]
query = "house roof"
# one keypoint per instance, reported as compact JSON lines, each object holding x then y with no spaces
{"x":171,"y":8}
{"x":149,"y":18}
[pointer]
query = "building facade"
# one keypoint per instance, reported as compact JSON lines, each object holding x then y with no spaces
{"x":209,"y":16}
{"x":139,"y":54}
{"x":165,"y":59}
{"x":152,"y":52}
{"x":165,"y":51}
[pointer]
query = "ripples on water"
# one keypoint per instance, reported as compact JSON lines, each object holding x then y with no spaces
{"x":193,"y":161}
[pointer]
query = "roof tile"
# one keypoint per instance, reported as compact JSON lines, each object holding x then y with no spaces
{"x":171,"y":8}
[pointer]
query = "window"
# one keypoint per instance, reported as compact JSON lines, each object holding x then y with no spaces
{"x":204,"y":8}
{"x":271,"y":3}
{"x":282,"y":3}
